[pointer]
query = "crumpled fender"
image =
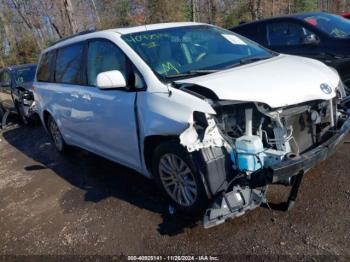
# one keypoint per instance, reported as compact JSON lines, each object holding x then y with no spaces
{"x":164,"y":113}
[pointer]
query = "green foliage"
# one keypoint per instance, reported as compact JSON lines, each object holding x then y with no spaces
{"x":188,"y":11}
{"x":116,"y":14}
{"x":161,"y":11}
{"x":236,"y":16}
{"x":123,"y":12}
{"x":232,"y":19}
{"x":28,"y":50}
{"x":304,"y":5}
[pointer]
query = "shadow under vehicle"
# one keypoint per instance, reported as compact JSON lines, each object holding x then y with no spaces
{"x":97,"y":177}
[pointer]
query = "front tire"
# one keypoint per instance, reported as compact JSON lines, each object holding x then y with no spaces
{"x":56,"y":135}
{"x":178,"y":179}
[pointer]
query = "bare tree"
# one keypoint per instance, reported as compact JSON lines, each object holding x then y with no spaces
{"x":69,"y":12}
{"x":26,"y":12}
{"x":9,"y":38}
{"x":255,"y":9}
{"x":29,"y":25}
{"x":195,"y":10}
{"x":96,"y":12}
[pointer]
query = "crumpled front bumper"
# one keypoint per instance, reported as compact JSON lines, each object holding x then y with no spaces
{"x":300,"y":164}
{"x":241,"y":199}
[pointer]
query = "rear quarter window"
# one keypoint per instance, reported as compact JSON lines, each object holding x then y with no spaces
{"x":69,"y":64}
{"x":45,"y":71}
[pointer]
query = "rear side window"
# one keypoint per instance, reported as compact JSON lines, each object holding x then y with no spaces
{"x":251,"y":31}
{"x":5,"y":77}
{"x":45,"y":70}
{"x":24,"y":75}
{"x":286,"y":34}
{"x":69,"y":66}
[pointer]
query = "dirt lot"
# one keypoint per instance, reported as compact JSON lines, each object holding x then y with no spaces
{"x":82,"y":204}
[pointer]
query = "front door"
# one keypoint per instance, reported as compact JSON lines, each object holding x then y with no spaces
{"x":105,"y":119}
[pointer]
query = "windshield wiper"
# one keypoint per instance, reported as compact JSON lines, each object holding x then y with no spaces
{"x":192,"y":73}
{"x":253,"y":59}
{"x":200,"y":72}
{"x":248,"y":60}
{"x":204,"y":71}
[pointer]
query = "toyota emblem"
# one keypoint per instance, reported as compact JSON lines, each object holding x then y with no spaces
{"x":326,"y":89}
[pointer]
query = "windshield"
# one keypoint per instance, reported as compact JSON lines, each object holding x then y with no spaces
{"x":181,"y":51}
{"x":334,"y":25}
{"x":25,"y":74}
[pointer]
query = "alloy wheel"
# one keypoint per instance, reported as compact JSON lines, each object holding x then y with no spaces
{"x":56,"y":135}
{"x":177,"y":179}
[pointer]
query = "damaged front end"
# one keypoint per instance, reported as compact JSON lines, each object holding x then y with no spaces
{"x":247,"y":146}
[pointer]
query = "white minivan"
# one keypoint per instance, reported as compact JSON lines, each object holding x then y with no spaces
{"x":213,"y":117}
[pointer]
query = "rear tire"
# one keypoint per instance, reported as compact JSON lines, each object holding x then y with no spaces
{"x":177,"y":177}
{"x":56,"y":135}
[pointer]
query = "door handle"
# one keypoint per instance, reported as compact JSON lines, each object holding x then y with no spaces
{"x":86,"y":97}
{"x":74,"y":95}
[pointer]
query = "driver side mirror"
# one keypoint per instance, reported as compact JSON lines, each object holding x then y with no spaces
{"x":311,"y":39}
{"x":110,"y":80}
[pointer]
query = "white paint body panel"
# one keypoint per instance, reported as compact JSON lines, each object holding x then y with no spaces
{"x":280,"y":81}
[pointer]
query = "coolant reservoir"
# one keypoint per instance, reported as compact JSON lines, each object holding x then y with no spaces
{"x":249,"y":151}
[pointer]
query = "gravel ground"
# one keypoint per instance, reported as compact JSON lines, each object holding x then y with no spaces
{"x":81,"y":204}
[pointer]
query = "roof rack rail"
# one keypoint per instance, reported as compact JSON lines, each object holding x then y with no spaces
{"x":91,"y":30}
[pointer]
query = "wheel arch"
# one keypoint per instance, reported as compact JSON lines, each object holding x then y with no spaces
{"x":46,"y":115}
{"x":150,"y":144}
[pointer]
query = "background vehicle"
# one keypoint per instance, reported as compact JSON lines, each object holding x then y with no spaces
{"x":346,"y":15}
{"x":16,"y":94}
{"x":322,"y":36}
{"x":196,"y":107}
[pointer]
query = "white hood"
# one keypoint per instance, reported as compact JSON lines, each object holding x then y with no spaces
{"x":280,"y":81}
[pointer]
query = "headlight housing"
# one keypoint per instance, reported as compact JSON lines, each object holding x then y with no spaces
{"x":342,"y":90}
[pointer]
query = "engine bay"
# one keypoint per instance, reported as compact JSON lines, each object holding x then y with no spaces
{"x":257,"y":137}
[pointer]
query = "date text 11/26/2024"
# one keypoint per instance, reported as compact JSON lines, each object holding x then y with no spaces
{"x":173,"y":258}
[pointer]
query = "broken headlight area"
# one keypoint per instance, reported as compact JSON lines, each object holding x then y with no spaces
{"x":28,"y":102}
{"x":240,"y":150}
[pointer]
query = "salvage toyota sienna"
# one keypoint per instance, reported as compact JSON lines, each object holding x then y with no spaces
{"x":211,"y":116}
